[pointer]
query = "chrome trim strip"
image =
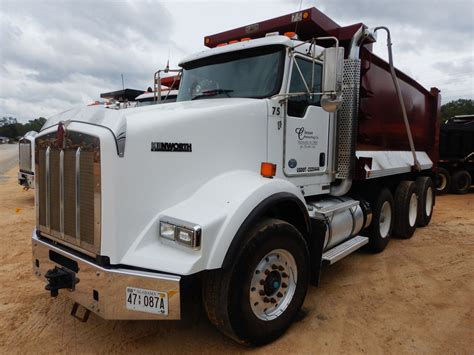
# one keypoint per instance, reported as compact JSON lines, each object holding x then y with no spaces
{"x":47,"y":188}
{"x":78,"y":194}
{"x":61,"y":192}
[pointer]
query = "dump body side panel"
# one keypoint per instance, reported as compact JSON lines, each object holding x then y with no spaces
{"x":380,"y":124}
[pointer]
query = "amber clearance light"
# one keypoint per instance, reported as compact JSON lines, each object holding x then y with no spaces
{"x":268,"y":169}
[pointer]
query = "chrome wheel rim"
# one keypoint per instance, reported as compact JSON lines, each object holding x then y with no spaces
{"x":273,"y":284}
{"x":429,"y":201}
{"x":385,"y":220}
{"x":412,"y":210}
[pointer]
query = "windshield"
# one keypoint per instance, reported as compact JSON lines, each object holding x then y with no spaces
{"x":253,"y":73}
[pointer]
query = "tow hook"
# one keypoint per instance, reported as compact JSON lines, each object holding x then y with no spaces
{"x":58,"y":279}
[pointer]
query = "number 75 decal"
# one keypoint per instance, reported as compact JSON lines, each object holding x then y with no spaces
{"x":275,"y":111}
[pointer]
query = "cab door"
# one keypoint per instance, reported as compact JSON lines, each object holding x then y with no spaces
{"x":306,"y":123}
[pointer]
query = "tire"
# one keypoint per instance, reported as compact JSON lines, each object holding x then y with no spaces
{"x":426,"y":200}
{"x":380,"y":229}
{"x":460,"y":182}
{"x":236,"y":297}
{"x":443,"y":181}
{"x":406,"y":210}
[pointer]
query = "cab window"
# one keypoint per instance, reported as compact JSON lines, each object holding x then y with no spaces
{"x":297,"y":105}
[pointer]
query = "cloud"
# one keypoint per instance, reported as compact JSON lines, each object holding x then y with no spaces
{"x":56,"y":54}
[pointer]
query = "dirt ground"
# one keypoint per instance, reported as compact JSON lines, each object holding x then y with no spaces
{"x":416,"y":297}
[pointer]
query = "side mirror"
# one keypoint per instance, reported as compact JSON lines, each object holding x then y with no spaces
{"x":331,"y":100}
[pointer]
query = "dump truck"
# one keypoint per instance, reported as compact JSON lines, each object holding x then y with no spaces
{"x":456,"y":155}
{"x":291,"y":145}
{"x":26,"y":160}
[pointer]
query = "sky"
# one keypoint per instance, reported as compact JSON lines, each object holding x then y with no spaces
{"x":55,"y":54}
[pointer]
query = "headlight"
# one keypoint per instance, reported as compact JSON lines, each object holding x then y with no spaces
{"x":167,"y":230}
{"x":184,"y":233}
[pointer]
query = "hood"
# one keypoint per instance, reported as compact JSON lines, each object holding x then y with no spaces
{"x":116,"y":120}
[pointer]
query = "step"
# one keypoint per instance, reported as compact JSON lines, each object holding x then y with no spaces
{"x":337,"y":253}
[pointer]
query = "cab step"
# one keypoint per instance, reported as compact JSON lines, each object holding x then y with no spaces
{"x":337,"y":253}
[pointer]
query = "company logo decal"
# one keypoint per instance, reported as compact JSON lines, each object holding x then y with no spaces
{"x":171,"y":147}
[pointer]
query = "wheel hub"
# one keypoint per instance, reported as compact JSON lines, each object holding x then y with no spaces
{"x":273,"y":284}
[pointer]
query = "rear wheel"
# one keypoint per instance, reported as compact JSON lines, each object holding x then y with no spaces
{"x":426,"y":200}
{"x":443,"y":181}
{"x":258,"y":296}
{"x":380,"y":229}
{"x":460,"y":182}
{"x":406,"y":209}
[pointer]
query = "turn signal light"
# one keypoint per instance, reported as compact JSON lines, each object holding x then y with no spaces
{"x":221,"y":44}
{"x":268,"y":169}
{"x":233,"y":41}
{"x":245,"y":39}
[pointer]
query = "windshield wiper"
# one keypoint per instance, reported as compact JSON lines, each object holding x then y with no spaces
{"x":212,"y":93}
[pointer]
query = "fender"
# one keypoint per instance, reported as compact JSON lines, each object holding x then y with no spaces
{"x":260,"y":211}
{"x":220,"y":207}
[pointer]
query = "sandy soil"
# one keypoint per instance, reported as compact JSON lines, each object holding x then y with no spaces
{"x":416,"y":297}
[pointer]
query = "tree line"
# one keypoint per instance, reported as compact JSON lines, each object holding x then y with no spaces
{"x":11,"y":128}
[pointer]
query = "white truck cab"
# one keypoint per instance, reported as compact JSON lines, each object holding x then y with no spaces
{"x":245,"y":183}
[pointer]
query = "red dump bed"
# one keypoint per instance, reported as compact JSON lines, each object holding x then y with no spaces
{"x":380,"y":123}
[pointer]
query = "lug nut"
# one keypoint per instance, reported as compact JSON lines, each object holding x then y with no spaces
{"x":267,"y":272}
{"x":281,"y":268}
{"x":262,"y":282}
{"x":279,"y":294}
{"x":274,"y":267}
{"x":266,"y":300}
{"x":273,"y":300}
{"x":284,"y":274}
{"x":261,"y":293}
{"x":284,"y":285}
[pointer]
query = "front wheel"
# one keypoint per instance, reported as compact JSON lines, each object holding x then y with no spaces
{"x":257,"y":297}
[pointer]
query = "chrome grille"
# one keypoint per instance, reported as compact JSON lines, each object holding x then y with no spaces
{"x":68,"y":190}
{"x":25,"y":155}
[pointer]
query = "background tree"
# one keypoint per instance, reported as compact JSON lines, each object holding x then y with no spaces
{"x":9,"y":127}
{"x":457,"y":107}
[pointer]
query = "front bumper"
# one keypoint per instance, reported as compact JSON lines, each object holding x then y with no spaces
{"x":102,"y":290}
{"x":26,"y":179}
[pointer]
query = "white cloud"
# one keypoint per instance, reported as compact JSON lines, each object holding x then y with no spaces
{"x":57,"y":54}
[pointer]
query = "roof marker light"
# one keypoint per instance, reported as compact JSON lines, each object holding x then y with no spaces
{"x":305,"y":15}
{"x":291,"y":35}
{"x":269,"y":34}
{"x":221,"y":44}
{"x":233,"y":41}
{"x":245,"y":39}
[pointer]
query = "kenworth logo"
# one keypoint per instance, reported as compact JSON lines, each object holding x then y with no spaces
{"x":171,"y":147}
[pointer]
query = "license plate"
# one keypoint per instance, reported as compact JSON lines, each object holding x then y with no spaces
{"x":150,"y":301}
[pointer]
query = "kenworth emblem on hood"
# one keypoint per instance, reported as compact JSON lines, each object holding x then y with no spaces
{"x":60,"y":135}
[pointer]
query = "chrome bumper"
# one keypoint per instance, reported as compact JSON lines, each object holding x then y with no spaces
{"x":103,"y":291}
{"x":26,"y":179}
